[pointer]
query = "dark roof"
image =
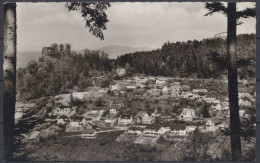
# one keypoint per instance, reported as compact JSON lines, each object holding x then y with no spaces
{"x":63,"y":117}
{"x":153,"y":127}
{"x":215,"y":120}
{"x":135,"y":128}
{"x":177,"y":126}
{"x":126,"y":116}
{"x":77,"y":118}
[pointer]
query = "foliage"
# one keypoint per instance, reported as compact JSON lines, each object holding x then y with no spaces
{"x":94,"y":15}
{"x":201,"y":59}
{"x":54,"y":75}
{"x":196,"y":147}
{"x":136,"y":152}
{"x":219,"y":7}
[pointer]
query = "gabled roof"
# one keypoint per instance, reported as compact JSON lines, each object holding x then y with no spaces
{"x":178,"y":126}
{"x":153,"y":127}
{"x":126,"y":116}
{"x":140,"y":114}
{"x":185,"y":110}
{"x":77,"y":118}
{"x":63,"y":117}
{"x":215,"y":120}
{"x":135,"y":128}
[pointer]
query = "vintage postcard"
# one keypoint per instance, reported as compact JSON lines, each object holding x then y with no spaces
{"x":123,"y":81}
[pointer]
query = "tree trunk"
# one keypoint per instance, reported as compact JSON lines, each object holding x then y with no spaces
{"x":9,"y":78}
{"x":232,"y":83}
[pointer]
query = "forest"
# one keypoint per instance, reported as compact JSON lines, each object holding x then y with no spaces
{"x":62,"y":72}
{"x":197,"y":59}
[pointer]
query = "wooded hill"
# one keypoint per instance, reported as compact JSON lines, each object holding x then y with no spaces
{"x":198,"y":59}
{"x":60,"y":72}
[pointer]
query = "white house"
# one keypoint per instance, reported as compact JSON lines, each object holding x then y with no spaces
{"x":214,"y":123}
{"x":209,"y":99}
{"x":190,"y":128}
{"x":125,"y":119}
{"x":154,"y":130}
{"x":187,"y":114}
{"x":64,"y":111}
{"x":96,"y":110}
{"x":144,"y":117}
{"x":130,"y":86}
{"x":78,"y":95}
{"x":242,"y":113}
{"x":113,"y":111}
{"x":111,"y":119}
{"x":199,"y":90}
{"x":175,"y":89}
{"x":62,"y":119}
{"x":141,"y":79}
{"x":135,"y":130}
{"x":178,"y":129}
{"x":161,"y":82}
{"x":76,"y":124}
{"x":120,"y":71}
{"x":115,"y":87}
{"x":77,"y":121}
{"x":165,"y":90}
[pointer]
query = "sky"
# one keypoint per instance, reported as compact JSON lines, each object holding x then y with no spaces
{"x":135,"y":24}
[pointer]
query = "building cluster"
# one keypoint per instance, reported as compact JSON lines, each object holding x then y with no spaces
{"x":115,"y":114}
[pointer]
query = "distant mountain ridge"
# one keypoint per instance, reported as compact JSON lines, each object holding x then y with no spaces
{"x":115,"y":50}
{"x":24,"y":57}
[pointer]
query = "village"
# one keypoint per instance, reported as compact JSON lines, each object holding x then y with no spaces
{"x":144,"y":108}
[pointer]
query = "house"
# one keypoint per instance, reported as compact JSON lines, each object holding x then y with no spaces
{"x":113,"y":111}
{"x":161,"y":82}
{"x":165,"y":90}
{"x":125,"y":119}
{"x":62,"y":119}
{"x":114,"y":86}
{"x":178,"y":129}
{"x":141,"y":79}
{"x":241,"y":95}
{"x":154,"y":130}
{"x":135,"y":130}
{"x":175,"y":89}
{"x":103,"y":91}
{"x":110,"y":119}
{"x":209,"y":99}
{"x":190,"y":128}
{"x":64,"y":111}
{"x":120,"y":71}
{"x":96,"y":110}
{"x":242,"y":113}
{"x":76,"y":121}
{"x":199,"y":90}
{"x":155,"y":92}
{"x":79,"y":95}
{"x":144,"y":118}
{"x":215,"y":123}
{"x":76,"y":124}
{"x":187,"y":114}
{"x":130,"y":86}
{"x":216,"y":102}
{"x":88,"y":133}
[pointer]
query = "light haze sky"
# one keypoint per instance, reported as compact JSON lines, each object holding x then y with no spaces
{"x":137,"y":24}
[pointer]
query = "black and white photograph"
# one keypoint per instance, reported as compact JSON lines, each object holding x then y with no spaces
{"x":130,"y":81}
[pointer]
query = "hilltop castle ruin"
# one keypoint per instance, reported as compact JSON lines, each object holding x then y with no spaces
{"x":57,"y":50}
